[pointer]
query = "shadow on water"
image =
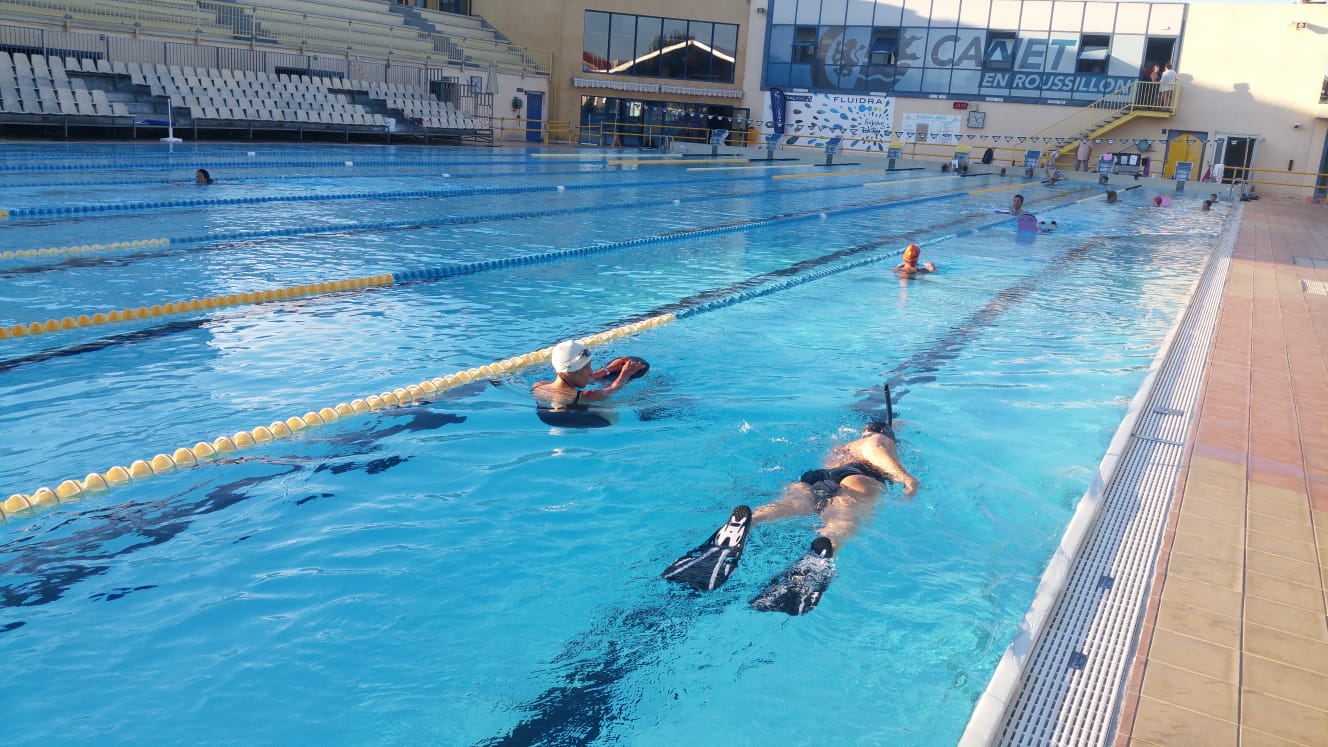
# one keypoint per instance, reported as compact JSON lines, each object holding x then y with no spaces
{"x":41,"y":568}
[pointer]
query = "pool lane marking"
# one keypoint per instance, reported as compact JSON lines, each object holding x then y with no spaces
{"x":422,"y":275}
{"x":202,"y":452}
{"x":651,"y":162}
{"x":830,"y":173}
{"x":914,"y":181}
{"x":1003,"y":187}
{"x":403,"y":194}
{"x":324,"y":229}
{"x":753,"y":168}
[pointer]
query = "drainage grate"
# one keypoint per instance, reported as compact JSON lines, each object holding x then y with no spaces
{"x":1318,"y":264}
{"x":1060,"y":682}
{"x":1314,"y":286}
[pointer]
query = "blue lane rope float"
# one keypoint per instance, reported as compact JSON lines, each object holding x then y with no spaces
{"x":69,"y":491}
{"x":426,"y":274}
{"x":403,"y":194}
{"x":324,"y":229}
{"x":242,"y":162}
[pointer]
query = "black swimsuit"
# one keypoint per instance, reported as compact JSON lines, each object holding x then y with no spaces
{"x":824,"y":483}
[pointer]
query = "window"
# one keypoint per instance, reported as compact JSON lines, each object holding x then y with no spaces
{"x":804,"y":44}
{"x":884,"y":47}
{"x":1001,"y":47}
{"x":595,"y":43}
{"x":1093,"y":52}
{"x":651,"y":46}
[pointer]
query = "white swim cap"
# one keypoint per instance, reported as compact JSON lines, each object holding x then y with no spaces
{"x":569,"y":356}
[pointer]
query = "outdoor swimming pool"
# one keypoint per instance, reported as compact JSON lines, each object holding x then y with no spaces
{"x":457,"y":572}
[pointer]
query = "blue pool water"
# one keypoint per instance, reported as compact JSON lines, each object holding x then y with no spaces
{"x":460,"y":573}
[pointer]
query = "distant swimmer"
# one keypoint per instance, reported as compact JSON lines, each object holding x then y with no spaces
{"x":1207,"y":206}
{"x":1053,"y":175}
{"x":1112,"y":197}
{"x":565,"y":401}
{"x":910,"y":264}
{"x":202,"y":177}
{"x":1162,"y":201}
{"x":1046,"y":227}
{"x":1016,"y":206}
{"x":842,"y":492}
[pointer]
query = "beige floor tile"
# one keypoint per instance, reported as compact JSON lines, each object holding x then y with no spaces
{"x":1192,"y":690}
{"x":1281,"y":590}
{"x":1296,"y":531}
{"x":1209,"y":465}
{"x":1216,"y":481}
{"x":1263,"y":490}
{"x":1204,"y":657}
{"x":1284,"y":681}
{"x":1204,"y":596}
{"x":1200,"y":623}
{"x":1283,"y":567}
{"x":1282,"y":509}
{"x":1161,"y":723}
{"x":1255,"y":738}
{"x":1271,"y":543}
{"x":1301,"y":622}
{"x":1231,"y":534}
{"x":1283,"y":718}
{"x":1286,"y":648}
{"x":1193,"y":544}
{"x":1215,"y":510}
{"x":1226,"y":575}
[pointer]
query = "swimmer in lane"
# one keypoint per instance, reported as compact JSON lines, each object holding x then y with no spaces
{"x":842,"y":492}
{"x":567,"y":393}
{"x":910,"y":266}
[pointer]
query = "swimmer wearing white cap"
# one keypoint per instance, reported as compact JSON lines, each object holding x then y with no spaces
{"x":571,"y":363}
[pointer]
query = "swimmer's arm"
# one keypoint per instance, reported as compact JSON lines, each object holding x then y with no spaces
{"x":625,"y":372}
{"x":885,"y":460}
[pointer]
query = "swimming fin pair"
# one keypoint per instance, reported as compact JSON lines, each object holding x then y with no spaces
{"x":795,"y":591}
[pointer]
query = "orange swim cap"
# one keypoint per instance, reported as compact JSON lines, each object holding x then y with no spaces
{"x":912,"y":253}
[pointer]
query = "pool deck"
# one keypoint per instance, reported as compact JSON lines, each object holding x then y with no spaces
{"x":1234,"y":644}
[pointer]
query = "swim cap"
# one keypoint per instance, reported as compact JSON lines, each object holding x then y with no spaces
{"x":1157,"y":201}
{"x":912,"y":253}
{"x":569,"y":356}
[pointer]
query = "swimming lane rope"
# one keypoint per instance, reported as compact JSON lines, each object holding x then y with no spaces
{"x":424,"y":274}
{"x":202,"y":452}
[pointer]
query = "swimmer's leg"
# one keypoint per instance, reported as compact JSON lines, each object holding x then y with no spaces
{"x":711,"y":563}
{"x":797,"y":500}
{"x":842,"y":515}
{"x":797,"y":590}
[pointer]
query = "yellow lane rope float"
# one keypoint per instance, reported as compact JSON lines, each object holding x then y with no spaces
{"x":70,"y":491}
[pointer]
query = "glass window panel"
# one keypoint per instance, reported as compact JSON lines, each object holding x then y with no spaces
{"x":915,"y":11}
{"x":726,"y":39}
{"x":804,"y":44}
{"x":781,"y":44}
{"x":784,"y":11}
{"x":995,"y":84}
{"x":1000,"y":50}
{"x":889,"y":15}
{"x":622,"y":43}
{"x":1127,"y":55}
{"x":1036,"y":15}
{"x":1067,"y":16}
{"x":974,"y":13}
{"x":965,"y":81}
{"x":1004,"y":14}
{"x":833,"y":12}
{"x":936,"y":80}
{"x":649,"y":38}
{"x":941,"y":47}
{"x":968,"y":49}
{"x":1131,"y":18}
{"x":912,"y":47}
{"x":843,"y":55}
{"x":1165,"y":19}
{"x":809,"y":12}
{"x":776,"y":75}
{"x":800,"y":76}
{"x":671,"y":62}
{"x":698,"y":54}
{"x":1062,"y":53}
{"x":859,"y":12}
{"x":909,"y":80}
{"x":944,"y":12}
{"x":1100,"y":18}
{"x":595,"y":43}
{"x":1094,"y":51}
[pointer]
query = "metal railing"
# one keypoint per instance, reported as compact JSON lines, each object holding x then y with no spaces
{"x":255,"y":25}
{"x":1139,"y":97}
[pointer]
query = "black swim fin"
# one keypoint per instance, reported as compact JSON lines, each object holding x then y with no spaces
{"x":797,"y":590}
{"x":711,"y":563}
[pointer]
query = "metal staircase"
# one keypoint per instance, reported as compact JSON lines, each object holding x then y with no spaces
{"x":1139,"y":99}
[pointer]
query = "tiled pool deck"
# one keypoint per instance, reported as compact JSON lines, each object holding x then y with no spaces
{"x":1234,"y":645}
